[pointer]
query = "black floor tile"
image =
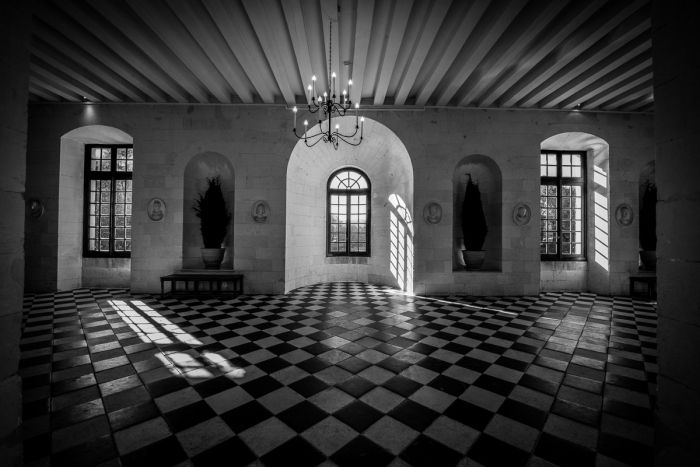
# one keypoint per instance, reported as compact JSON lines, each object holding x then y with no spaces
{"x":302,"y":416}
{"x":243,"y":417}
{"x":493,"y":384}
{"x":490,"y":451}
{"x":358,"y":415}
{"x":539,"y":384}
{"x":296,"y":448}
{"x":449,"y":385}
{"x":132,"y":415}
{"x":402,"y":385}
{"x":424,"y":451}
{"x":576,"y":412}
{"x":188,"y":416}
{"x":361,"y":452}
{"x":625,"y":450}
{"x":356,"y":386}
{"x":87,"y":454}
{"x":563,"y":452}
{"x":414,"y":415}
{"x":523,"y":413}
{"x":164,"y":452}
{"x":469,"y":414}
{"x":354,"y":365}
{"x":212,"y":386}
{"x":308,"y":386}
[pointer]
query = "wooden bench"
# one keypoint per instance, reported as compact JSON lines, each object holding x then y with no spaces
{"x":214,"y":278}
{"x":644,"y":277}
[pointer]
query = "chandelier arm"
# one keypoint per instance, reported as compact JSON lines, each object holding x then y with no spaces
{"x":349,"y":135}
{"x":349,"y":142}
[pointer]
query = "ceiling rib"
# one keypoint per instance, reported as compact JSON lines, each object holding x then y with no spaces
{"x":102,"y":61}
{"x":457,"y":36}
{"x":297,"y":32}
{"x":233,"y":24}
{"x":589,"y":60}
{"x":640,"y":67}
{"x":396,"y":34}
{"x":612,"y":63}
{"x":491,"y":27}
{"x":150,"y":45}
{"x":425,"y":42}
{"x":511,"y":46}
{"x":576,"y":44}
{"x":203,"y":30}
{"x":176,"y":38}
{"x":363,"y":30}
{"x":52,"y":75}
{"x":560,"y":28}
{"x":48,"y":54}
{"x":117,"y":41}
{"x":272,"y":41}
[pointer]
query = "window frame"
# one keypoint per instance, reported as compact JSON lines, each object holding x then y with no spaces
{"x":559,"y":180}
{"x":366,"y":191}
{"x":113,"y":175}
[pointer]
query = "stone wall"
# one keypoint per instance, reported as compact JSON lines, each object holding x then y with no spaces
{"x":258,"y":144}
{"x":15,"y":22}
{"x":676,"y":95}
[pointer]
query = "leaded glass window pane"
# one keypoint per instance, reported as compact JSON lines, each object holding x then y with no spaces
{"x":348,"y":209}
{"x":108,"y":200}
{"x":562,"y":204}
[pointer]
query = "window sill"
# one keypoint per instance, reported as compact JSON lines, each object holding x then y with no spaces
{"x":347,"y":259}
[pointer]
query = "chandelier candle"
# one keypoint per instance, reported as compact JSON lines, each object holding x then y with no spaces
{"x":328,"y":108}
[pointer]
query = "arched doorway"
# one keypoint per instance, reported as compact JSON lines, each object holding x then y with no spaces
{"x":386,"y":162}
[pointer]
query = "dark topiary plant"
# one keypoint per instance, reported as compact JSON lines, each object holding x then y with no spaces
{"x":213,"y":214}
{"x":473,"y":219}
{"x":647,"y":218}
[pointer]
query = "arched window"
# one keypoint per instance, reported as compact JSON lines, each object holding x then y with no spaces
{"x":348,"y":214}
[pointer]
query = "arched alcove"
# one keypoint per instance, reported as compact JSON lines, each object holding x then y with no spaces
{"x":73,"y":270}
{"x":593,"y":273}
{"x":201,"y":167}
{"x":485,"y":172}
{"x":386,"y":162}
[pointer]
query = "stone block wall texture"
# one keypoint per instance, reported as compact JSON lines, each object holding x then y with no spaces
{"x":15,"y":22}
{"x":676,"y":94}
{"x":257,"y":143}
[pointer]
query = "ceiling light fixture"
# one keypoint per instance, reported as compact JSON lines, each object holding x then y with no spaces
{"x":327,"y":104}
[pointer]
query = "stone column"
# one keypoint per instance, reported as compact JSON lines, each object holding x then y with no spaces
{"x":676,"y":54}
{"x":15,"y":24}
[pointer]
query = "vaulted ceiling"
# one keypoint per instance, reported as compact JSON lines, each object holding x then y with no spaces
{"x":552,"y":54}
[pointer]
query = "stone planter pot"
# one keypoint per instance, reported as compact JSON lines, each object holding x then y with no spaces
{"x":213,"y":257}
{"x":473,"y":260}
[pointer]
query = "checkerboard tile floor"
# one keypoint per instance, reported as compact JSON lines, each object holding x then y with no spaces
{"x":342,"y":374}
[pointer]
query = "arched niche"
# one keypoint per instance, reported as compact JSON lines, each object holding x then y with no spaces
{"x":72,"y":269}
{"x":201,"y":167}
{"x":594,"y":273}
{"x":386,"y":162}
{"x":486,"y":173}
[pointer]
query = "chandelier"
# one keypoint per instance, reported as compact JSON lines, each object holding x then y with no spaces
{"x":331,"y":108}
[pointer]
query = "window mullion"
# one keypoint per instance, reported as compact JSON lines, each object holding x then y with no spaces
{"x":347,"y":223}
{"x":112,"y":199}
